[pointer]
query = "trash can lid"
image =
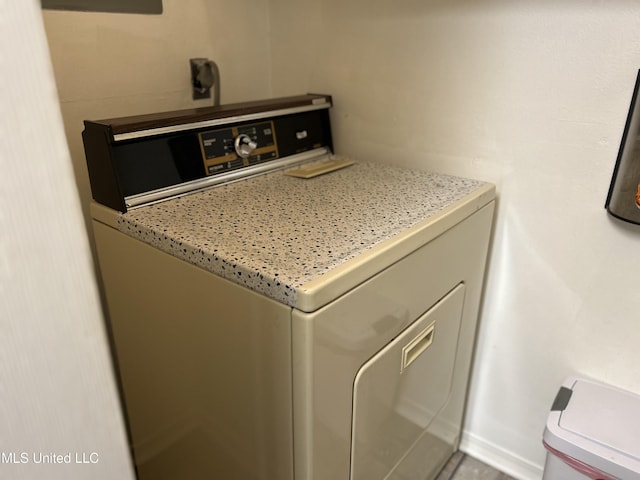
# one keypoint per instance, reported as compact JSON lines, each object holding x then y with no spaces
{"x":598,"y":425}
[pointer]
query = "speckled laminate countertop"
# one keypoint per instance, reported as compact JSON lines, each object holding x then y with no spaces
{"x":275,"y":233}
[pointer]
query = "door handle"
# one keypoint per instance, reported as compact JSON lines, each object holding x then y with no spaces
{"x":416,"y":347}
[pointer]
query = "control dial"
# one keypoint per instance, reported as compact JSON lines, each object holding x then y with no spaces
{"x":244,"y":145}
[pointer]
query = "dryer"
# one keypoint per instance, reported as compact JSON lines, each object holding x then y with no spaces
{"x":279,"y":312}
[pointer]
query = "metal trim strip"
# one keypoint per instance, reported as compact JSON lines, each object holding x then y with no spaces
{"x":218,"y":121}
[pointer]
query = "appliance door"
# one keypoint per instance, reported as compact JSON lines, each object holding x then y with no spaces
{"x":398,"y":393}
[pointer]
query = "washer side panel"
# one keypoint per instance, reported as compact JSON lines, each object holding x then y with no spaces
{"x":205,"y":366}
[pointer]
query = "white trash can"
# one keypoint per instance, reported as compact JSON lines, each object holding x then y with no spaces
{"x":593,"y":432}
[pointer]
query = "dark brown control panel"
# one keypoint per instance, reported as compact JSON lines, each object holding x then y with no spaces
{"x":130,"y":159}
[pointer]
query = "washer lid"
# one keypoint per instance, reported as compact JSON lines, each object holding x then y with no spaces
{"x":605,"y":415}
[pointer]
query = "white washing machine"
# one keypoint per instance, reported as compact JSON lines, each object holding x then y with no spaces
{"x":277,"y":312}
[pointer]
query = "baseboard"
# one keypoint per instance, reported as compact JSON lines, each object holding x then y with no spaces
{"x":499,"y":458}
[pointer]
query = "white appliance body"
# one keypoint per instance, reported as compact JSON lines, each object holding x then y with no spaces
{"x":362,"y":376}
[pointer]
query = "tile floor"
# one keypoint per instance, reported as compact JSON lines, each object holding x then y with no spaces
{"x":463,"y":467}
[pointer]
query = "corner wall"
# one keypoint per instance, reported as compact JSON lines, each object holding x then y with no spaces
{"x":59,"y":406}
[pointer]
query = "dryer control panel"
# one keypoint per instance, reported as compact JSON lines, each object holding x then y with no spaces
{"x":133,"y":161}
{"x":235,"y":147}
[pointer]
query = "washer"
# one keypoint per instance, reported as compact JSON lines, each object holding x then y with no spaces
{"x":278,"y":312}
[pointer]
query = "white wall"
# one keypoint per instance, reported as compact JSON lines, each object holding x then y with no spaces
{"x":533,"y":97}
{"x":529,"y":95}
{"x":58,"y":396}
{"x":111,"y":65}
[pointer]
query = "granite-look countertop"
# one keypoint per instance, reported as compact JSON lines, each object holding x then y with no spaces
{"x":275,"y":233}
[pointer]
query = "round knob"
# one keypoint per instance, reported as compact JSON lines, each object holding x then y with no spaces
{"x":244,"y":145}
